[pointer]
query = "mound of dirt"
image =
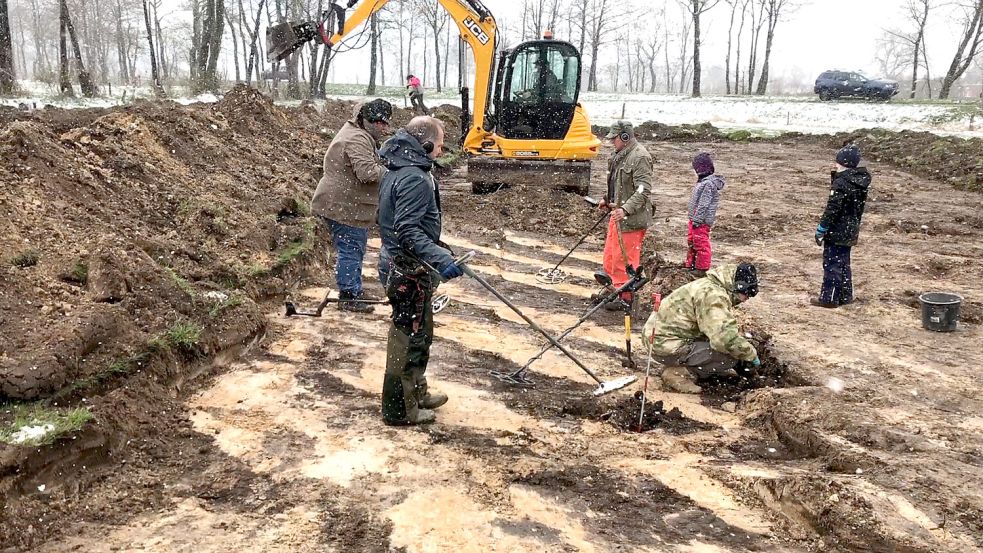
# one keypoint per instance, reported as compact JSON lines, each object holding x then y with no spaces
{"x":945,"y":158}
{"x":653,"y":130}
{"x":525,"y":208}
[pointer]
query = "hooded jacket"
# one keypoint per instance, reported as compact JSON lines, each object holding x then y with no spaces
{"x":845,"y":206}
{"x":349,"y":190}
{"x":705,"y":199}
{"x":700,"y":310}
{"x":409,"y":203}
{"x":630,"y":185}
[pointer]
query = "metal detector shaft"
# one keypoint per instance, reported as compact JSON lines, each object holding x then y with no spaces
{"x":614,"y":293}
{"x":581,"y":241}
{"x":467,"y":270}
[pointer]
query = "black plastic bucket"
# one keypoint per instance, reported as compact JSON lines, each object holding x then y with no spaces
{"x":940,"y":311}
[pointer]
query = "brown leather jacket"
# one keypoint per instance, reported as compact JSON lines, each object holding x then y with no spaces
{"x":349,"y":190}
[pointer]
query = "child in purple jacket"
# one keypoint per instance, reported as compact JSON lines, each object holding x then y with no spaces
{"x":702,"y":213}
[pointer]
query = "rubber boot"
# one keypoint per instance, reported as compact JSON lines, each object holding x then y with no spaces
{"x":400,"y":406}
{"x":425,"y":398}
{"x":679,"y":379}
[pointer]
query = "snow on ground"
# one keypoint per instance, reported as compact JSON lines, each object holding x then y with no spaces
{"x":761,"y":115}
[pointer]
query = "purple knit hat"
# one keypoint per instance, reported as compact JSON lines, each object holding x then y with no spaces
{"x":702,"y":164}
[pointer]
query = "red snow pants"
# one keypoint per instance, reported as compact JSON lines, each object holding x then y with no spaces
{"x":698,"y":239}
{"x":614,"y":261}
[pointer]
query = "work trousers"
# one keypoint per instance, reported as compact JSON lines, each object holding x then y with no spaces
{"x":416,"y":100}
{"x":350,"y":243}
{"x":701,"y":360}
{"x":614,"y":259}
{"x":837,"y":276}
{"x":408,"y":351}
{"x":700,"y":251}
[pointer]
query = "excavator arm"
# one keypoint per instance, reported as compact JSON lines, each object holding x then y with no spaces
{"x":474,"y":22}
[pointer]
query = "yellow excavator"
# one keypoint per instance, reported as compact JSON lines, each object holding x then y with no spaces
{"x":527,"y":125}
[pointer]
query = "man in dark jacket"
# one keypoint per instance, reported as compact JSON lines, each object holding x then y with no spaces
{"x":839,"y":227}
{"x":347,"y":196}
{"x":409,"y":222}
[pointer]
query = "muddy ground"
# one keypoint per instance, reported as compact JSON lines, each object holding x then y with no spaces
{"x":278,"y":445}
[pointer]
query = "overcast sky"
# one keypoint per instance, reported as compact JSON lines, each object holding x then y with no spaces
{"x":822,"y":34}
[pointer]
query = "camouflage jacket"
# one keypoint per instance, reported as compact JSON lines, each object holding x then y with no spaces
{"x":701,"y":308}
{"x":630,"y":185}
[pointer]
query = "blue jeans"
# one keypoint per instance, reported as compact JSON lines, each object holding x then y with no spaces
{"x":349,"y":243}
{"x":837,"y":276}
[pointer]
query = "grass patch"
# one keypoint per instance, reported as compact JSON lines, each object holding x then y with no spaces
{"x":36,"y":425}
{"x":26,"y":259}
{"x":79,"y":273}
{"x":302,"y":207}
{"x":228,"y":303}
{"x":181,"y":283}
{"x":183,"y":336}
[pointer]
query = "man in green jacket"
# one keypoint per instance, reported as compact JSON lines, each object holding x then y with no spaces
{"x":695,"y":335}
{"x":627,"y":198}
{"x":347,"y":196}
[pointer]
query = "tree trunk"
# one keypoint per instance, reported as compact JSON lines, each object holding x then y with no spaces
{"x":85,"y":81}
{"x":730,"y":36}
{"x":124,"y":73}
{"x":163,"y":66}
{"x":6,"y":52}
{"x":373,"y":53}
{"x":737,"y":57}
{"x":64,"y":80}
{"x":436,"y":51}
{"x":235,"y":45}
{"x":697,"y":9}
{"x":215,"y":45}
{"x":154,"y":70}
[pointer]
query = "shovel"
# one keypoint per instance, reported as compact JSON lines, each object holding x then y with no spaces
{"x":602,"y":388}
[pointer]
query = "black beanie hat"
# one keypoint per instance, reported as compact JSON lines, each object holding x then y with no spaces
{"x":848,"y":156}
{"x":746,"y":280}
{"x":377,"y":110}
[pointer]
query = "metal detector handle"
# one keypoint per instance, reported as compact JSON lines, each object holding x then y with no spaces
{"x":467,"y":270}
{"x":464,"y":259}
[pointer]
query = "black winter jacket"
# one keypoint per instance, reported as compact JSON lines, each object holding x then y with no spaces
{"x":845,"y":206}
{"x":409,"y":203}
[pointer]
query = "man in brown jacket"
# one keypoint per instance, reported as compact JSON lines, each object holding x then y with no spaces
{"x":347,"y":196}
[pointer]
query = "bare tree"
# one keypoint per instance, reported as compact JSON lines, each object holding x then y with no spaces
{"x":696,"y":9}
{"x":435,"y":17}
{"x":253,"y":54}
{"x":774,"y":10}
{"x":154,"y":70}
{"x":969,"y":45}
{"x":735,"y":7}
{"x":757,"y":22}
{"x":6,"y":52}
{"x":650,"y":48}
{"x":209,"y":25}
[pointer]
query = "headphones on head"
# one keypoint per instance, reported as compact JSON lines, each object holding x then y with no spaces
{"x":427,"y":147}
{"x":625,"y":137}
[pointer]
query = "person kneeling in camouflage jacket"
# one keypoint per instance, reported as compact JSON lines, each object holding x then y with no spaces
{"x":694,"y":334}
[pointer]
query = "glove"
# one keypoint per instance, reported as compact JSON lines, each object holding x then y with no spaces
{"x":820,"y":235}
{"x":756,"y":362}
{"x":451,"y":271}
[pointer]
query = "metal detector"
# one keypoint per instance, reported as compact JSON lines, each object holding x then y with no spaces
{"x":557,"y":275}
{"x":602,"y":388}
{"x":439,"y":303}
{"x":635,"y":283}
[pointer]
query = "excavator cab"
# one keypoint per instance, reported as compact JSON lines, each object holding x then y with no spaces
{"x":538,"y":133}
{"x":538,"y":87}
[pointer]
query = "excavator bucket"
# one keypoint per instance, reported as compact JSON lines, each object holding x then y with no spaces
{"x":487,"y":173}
{"x":285,"y":38}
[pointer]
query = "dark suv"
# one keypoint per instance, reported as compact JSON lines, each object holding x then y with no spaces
{"x":840,"y":84}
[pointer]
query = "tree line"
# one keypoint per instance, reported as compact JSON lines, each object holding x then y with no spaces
{"x":632,"y":45}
